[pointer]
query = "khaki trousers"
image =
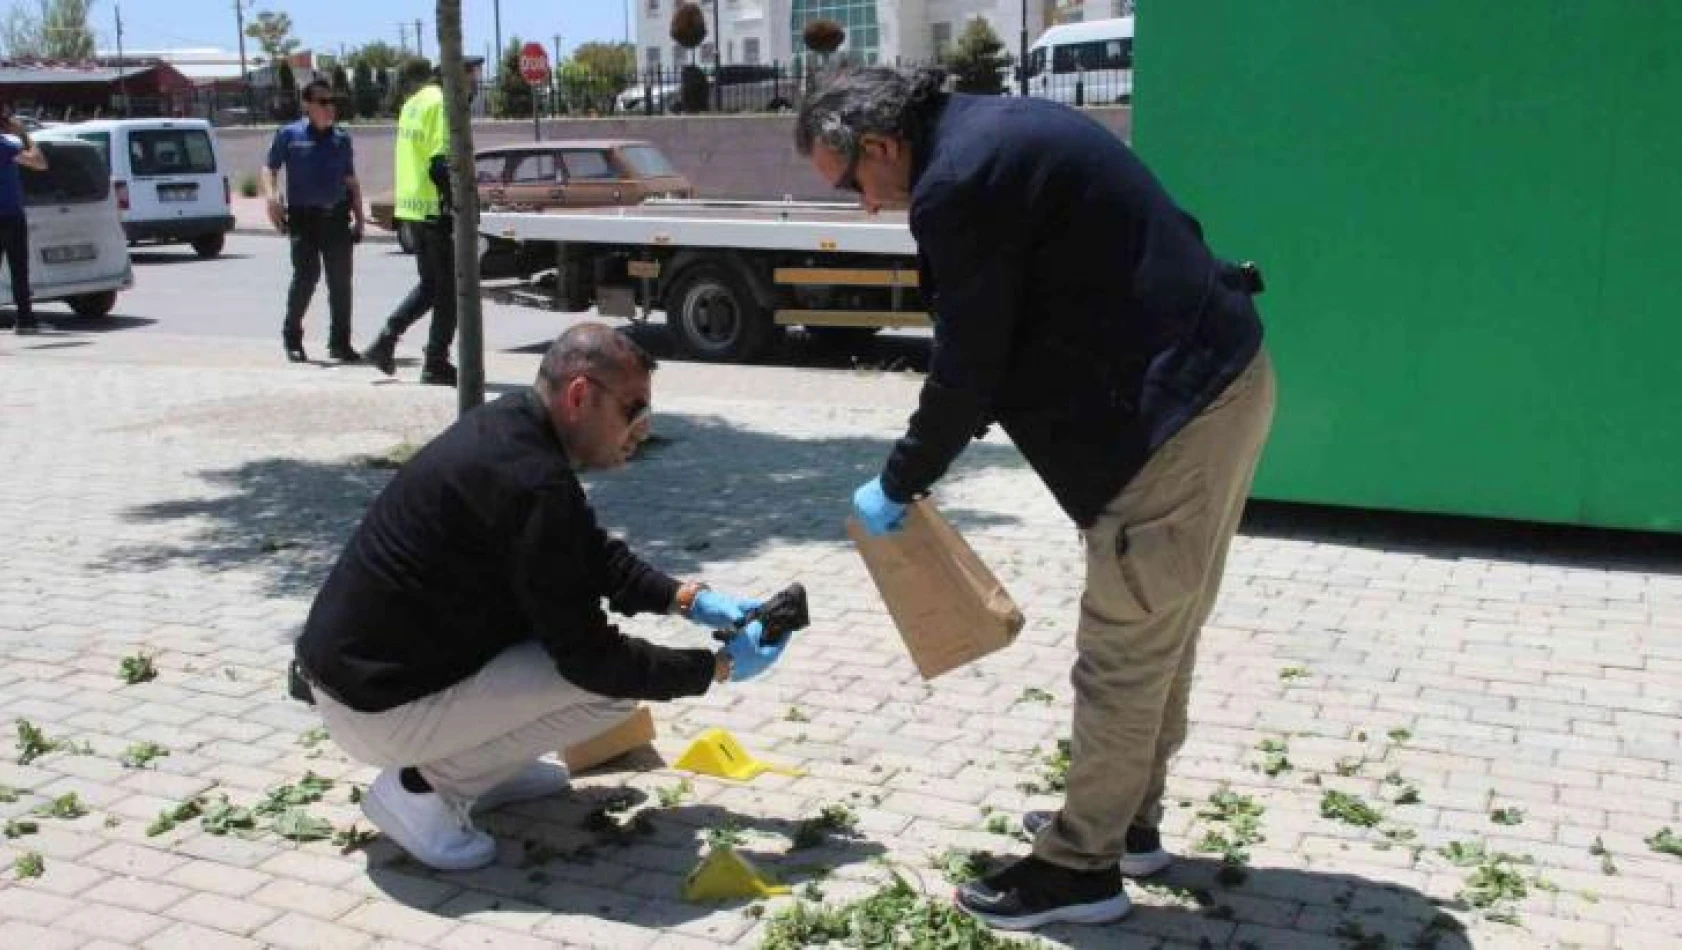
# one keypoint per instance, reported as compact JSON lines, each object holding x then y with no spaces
{"x":1154,"y":560}
{"x":482,"y":731}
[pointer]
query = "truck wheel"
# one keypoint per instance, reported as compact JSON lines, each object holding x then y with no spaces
{"x":842,"y":338}
{"x":209,"y":246}
{"x":93,"y":305}
{"x":406,"y":237}
{"x":715,"y":317}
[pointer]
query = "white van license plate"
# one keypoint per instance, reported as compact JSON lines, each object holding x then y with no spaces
{"x":69,"y":253}
{"x":176,"y":192}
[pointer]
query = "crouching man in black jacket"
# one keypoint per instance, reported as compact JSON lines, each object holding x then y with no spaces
{"x":1079,"y":308}
{"x":461,"y":634}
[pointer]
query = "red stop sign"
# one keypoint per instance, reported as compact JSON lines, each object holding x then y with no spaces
{"x":534,"y":64}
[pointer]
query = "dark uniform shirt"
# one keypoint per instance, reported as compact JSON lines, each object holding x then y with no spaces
{"x":317,"y":164}
{"x":485,"y":539}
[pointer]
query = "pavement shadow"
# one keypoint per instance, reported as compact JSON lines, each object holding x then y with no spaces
{"x":1273,"y":907}
{"x":704,"y":489}
{"x":184,"y":256}
{"x":1452,"y":537}
{"x":798,"y":349}
{"x":60,"y":324}
{"x":555,"y":856}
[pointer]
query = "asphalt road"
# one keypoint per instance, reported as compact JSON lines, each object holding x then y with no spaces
{"x":242,"y":294}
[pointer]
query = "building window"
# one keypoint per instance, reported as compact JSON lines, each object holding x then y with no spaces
{"x":940,"y":37}
{"x":857,"y":17}
{"x":750,"y":51}
{"x":706,"y":52}
{"x":653,"y":55}
{"x":653,"y":7}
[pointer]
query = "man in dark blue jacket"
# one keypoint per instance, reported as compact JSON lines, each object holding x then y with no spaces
{"x":1077,"y":306}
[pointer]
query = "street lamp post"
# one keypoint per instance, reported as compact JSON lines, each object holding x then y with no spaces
{"x":718,"y":52}
{"x":1022,"y":54}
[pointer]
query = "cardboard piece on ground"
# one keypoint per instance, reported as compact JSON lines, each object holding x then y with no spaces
{"x":633,"y":732}
{"x":948,"y":606}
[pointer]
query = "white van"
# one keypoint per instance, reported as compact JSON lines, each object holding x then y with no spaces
{"x":170,"y":179}
{"x":1083,"y":63}
{"x":77,"y":249}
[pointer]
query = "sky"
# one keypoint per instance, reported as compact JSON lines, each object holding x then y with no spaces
{"x":322,"y":25}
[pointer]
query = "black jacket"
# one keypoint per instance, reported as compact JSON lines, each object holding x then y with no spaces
{"x":482,"y":540}
{"x":1074,"y":303}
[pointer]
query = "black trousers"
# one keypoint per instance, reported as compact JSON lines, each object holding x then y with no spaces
{"x":435,"y":260}
{"x":14,"y":243}
{"x":320,"y":236}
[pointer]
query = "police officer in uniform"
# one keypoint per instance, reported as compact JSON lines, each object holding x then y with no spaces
{"x":423,"y":197}
{"x":323,"y":214}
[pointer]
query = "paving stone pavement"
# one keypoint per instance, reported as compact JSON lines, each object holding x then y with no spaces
{"x":1517,"y":692}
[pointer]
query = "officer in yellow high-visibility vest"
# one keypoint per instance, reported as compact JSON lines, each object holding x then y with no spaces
{"x":422,"y":158}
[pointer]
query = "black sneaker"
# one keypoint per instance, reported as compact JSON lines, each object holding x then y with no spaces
{"x":344,"y":353}
{"x":438,"y":374}
{"x":382,"y":354}
{"x":1032,"y":893}
{"x":295,"y":353}
{"x":27,"y":327}
{"x":1144,"y":855}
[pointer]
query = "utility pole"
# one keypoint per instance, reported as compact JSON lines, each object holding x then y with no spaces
{"x":718,"y":53}
{"x":495,"y":62}
{"x":403,"y":38}
{"x":244,"y":75}
{"x":1022,"y":54}
{"x":420,"y":43}
{"x":122,"y":83}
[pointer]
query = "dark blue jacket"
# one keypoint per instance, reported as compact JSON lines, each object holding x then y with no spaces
{"x":1074,"y":303}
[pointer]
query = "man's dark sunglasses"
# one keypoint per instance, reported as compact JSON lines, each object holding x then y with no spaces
{"x":849,"y":180}
{"x":634,"y":411}
{"x":329,"y":101}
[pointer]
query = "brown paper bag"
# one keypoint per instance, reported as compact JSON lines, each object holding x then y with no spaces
{"x":632,"y":733}
{"x":948,"y":606}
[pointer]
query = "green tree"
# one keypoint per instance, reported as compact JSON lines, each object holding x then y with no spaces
{"x":52,"y":29}
{"x":367,"y":92}
{"x":273,"y":32}
{"x":376,"y":56}
{"x":513,"y":96}
{"x":341,"y":91}
{"x":286,"y":92}
{"x":614,"y":64}
{"x":689,"y":30}
{"x":978,"y":60}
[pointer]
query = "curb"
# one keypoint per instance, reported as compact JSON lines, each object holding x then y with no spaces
{"x":369,"y":236}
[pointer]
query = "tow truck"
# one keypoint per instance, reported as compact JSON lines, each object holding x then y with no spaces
{"x":730,"y":276}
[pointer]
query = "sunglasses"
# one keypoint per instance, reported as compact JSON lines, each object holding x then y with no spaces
{"x":635,"y":412}
{"x":849,"y":180}
{"x":323,"y":102}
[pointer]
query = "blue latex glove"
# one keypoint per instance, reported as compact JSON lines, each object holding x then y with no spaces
{"x":748,"y":657}
{"x":717,"y":611}
{"x":876,"y":511}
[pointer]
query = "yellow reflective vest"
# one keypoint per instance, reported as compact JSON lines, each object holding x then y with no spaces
{"x":422,"y":134}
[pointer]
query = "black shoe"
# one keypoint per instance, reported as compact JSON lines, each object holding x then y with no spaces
{"x":382,"y":354}
{"x":1144,"y":855}
{"x":27,"y":327}
{"x":344,"y":353}
{"x":1032,"y":893}
{"x":438,"y":374}
{"x":295,"y":353}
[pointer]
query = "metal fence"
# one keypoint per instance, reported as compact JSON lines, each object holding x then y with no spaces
{"x":671,"y":90}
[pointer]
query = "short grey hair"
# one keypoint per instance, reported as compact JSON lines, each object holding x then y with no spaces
{"x":592,"y":349}
{"x":867,"y":100}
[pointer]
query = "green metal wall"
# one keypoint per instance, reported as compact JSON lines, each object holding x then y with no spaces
{"x":1470,"y":218}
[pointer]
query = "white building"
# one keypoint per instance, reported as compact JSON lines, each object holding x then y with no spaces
{"x":879,"y":31}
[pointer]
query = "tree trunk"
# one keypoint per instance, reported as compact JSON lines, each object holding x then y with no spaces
{"x":470,"y":336}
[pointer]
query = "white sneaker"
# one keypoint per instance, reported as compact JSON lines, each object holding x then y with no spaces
{"x":540,"y":779}
{"x":434,"y":829}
